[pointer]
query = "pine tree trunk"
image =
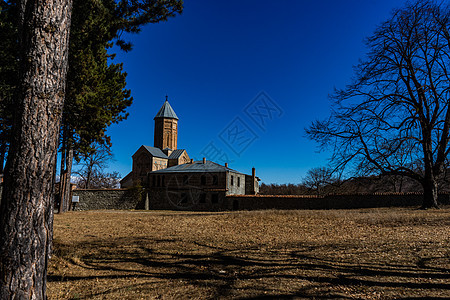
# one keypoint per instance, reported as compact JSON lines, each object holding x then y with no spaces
{"x":65,"y":200}
{"x":430,"y":193}
{"x":26,"y":212}
{"x":62,"y":173}
{"x":2,"y":155}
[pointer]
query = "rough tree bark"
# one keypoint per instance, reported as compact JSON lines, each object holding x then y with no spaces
{"x":26,"y":212}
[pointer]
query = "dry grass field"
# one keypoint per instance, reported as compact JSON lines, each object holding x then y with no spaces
{"x":335,"y":254}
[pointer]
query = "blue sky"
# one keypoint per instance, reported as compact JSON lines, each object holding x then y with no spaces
{"x":245,"y":78}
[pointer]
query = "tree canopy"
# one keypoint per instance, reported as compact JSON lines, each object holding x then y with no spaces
{"x":394,"y":117}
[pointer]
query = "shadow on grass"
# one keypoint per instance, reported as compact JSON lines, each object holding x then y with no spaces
{"x":224,"y":270}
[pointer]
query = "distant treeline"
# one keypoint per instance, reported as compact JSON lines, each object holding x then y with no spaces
{"x":373,"y":184}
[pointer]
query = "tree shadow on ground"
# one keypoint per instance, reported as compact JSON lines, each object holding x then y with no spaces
{"x":298,"y":271}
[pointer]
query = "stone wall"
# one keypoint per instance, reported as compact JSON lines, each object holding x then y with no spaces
{"x":135,"y":199}
{"x":109,"y":199}
{"x":249,"y":202}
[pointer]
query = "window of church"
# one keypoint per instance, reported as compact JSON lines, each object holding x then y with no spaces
{"x":184,"y":198}
{"x":214,"y":198}
{"x":202,"y":198}
{"x":203,"y":179}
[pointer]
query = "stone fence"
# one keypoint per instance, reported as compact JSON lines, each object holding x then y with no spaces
{"x":108,"y":199}
{"x":121,"y":199}
{"x":250,"y":202}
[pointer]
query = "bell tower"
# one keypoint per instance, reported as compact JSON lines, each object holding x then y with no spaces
{"x":166,"y":127}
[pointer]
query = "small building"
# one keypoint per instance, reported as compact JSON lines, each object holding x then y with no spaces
{"x":199,"y":185}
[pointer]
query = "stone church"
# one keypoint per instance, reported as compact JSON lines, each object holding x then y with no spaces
{"x":163,"y":155}
{"x":174,"y":181}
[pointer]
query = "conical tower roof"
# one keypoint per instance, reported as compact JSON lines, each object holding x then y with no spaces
{"x":166,"y":111}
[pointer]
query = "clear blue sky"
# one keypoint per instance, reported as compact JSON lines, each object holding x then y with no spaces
{"x":215,"y":58}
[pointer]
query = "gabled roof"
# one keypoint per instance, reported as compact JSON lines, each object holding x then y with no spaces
{"x":166,"y":111}
{"x":196,"y":167}
{"x":155,"y":152}
{"x":176,"y":154}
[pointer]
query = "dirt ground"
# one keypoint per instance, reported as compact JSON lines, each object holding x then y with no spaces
{"x":329,"y":254}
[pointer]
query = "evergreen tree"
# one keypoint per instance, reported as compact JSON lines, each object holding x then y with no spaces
{"x":26,"y":210}
{"x":96,"y":95}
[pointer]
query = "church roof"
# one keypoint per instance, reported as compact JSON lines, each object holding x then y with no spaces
{"x":155,"y":152}
{"x":176,"y":153}
{"x":166,"y":111}
{"x":196,"y":167}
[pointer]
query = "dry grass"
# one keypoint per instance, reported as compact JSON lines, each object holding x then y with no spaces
{"x":347,"y":254}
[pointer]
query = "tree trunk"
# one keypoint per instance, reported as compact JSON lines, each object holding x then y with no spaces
{"x":62,"y":172}
{"x":88,"y":178}
{"x":430,"y":193}
{"x":2,"y":155}
{"x":26,"y":212}
{"x":65,"y":200}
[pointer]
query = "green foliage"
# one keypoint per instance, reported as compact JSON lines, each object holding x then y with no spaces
{"x":96,"y":96}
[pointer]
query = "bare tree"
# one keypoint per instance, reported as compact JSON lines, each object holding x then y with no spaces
{"x":318,"y":178}
{"x":100,"y":180}
{"x":394,"y":118}
{"x":26,"y":212}
{"x":92,"y":168}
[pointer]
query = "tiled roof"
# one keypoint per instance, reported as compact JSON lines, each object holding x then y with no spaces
{"x":196,"y":167}
{"x":176,"y":153}
{"x":166,"y":111}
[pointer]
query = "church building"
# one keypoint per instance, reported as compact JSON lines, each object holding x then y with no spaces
{"x":164,"y":154}
{"x":174,"y":181}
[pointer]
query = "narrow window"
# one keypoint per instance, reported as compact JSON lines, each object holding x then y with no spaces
{"x":215,"y":180}
{"x":185,"y":179}
{"x":214,"y":198}
{"x":239,"y":181}
{"x":232,"y":180}
{"x":163,"y":179}
{"x":203,"y":180}
{"x":159,"y":181}
{"x":203,"y":198}
{"x":153,"y":180}
{"x":184,"y":198}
